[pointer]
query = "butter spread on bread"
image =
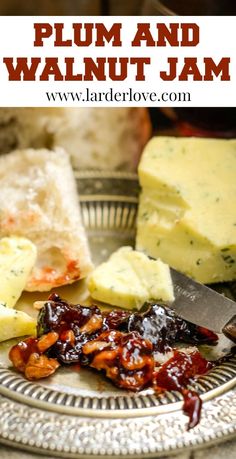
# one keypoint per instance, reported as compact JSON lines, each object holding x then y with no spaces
{"x":187,"y":206}
{"x":17,"y":258}
{"x":130,"y":278}
{"x":39,"y":200}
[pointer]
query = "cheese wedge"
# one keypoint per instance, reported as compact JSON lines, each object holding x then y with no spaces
{"x":187,"y":206}
{"x":15,"y":323}
{"x":130,"y":278}
{"x":17,"y":258}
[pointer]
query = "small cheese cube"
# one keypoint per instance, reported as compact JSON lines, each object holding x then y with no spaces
{"x":130,"y":278}
{"x":17,"y":258}
{"x":15,"y":323}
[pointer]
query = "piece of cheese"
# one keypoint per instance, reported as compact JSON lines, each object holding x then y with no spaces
{"x":187,"y":206}
{"x":130,"y":278}
{"x":17,"y":258}
{"x":15,"y":323}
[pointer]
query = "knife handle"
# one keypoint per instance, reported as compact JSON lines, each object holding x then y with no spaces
{"x":229,"y":329}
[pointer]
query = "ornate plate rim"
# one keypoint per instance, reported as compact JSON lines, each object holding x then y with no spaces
{"x":17,"y":388}
{"x":50,"y":431}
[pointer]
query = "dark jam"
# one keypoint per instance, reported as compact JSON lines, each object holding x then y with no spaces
{"x":160,"y":325}
{"x":177,"y":373}
{"x":126,"y":358}
{"x":120,"y":344}
{"x":192,"y":407}
{"x":61,"y":317}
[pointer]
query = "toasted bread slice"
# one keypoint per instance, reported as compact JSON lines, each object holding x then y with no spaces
{"x":39,"y":200}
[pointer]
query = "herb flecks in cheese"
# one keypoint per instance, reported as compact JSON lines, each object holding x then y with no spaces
{"x":15,"y":323}
{"x":190,"y":201}
{"x":17,"y":258}
{"x":129,"y":278}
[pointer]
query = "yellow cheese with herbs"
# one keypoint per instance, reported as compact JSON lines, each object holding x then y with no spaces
{"x":15,"y":323}
{"x":130,"y":278}
{"x":187,"y":213}
{"x":17,"y":258}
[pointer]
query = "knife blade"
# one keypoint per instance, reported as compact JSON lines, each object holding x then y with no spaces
{"x":203,"y":306}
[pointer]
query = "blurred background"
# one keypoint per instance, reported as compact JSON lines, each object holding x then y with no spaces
{"x":117,"y":7}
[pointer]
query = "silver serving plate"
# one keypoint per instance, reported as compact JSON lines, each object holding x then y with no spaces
{"x":79,"y":414}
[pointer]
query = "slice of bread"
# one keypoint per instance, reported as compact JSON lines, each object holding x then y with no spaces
{"x":97,"y":138}
{"x":39,"y":200}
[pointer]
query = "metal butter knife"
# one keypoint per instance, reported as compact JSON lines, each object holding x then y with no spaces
{"x":203,"y":306}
